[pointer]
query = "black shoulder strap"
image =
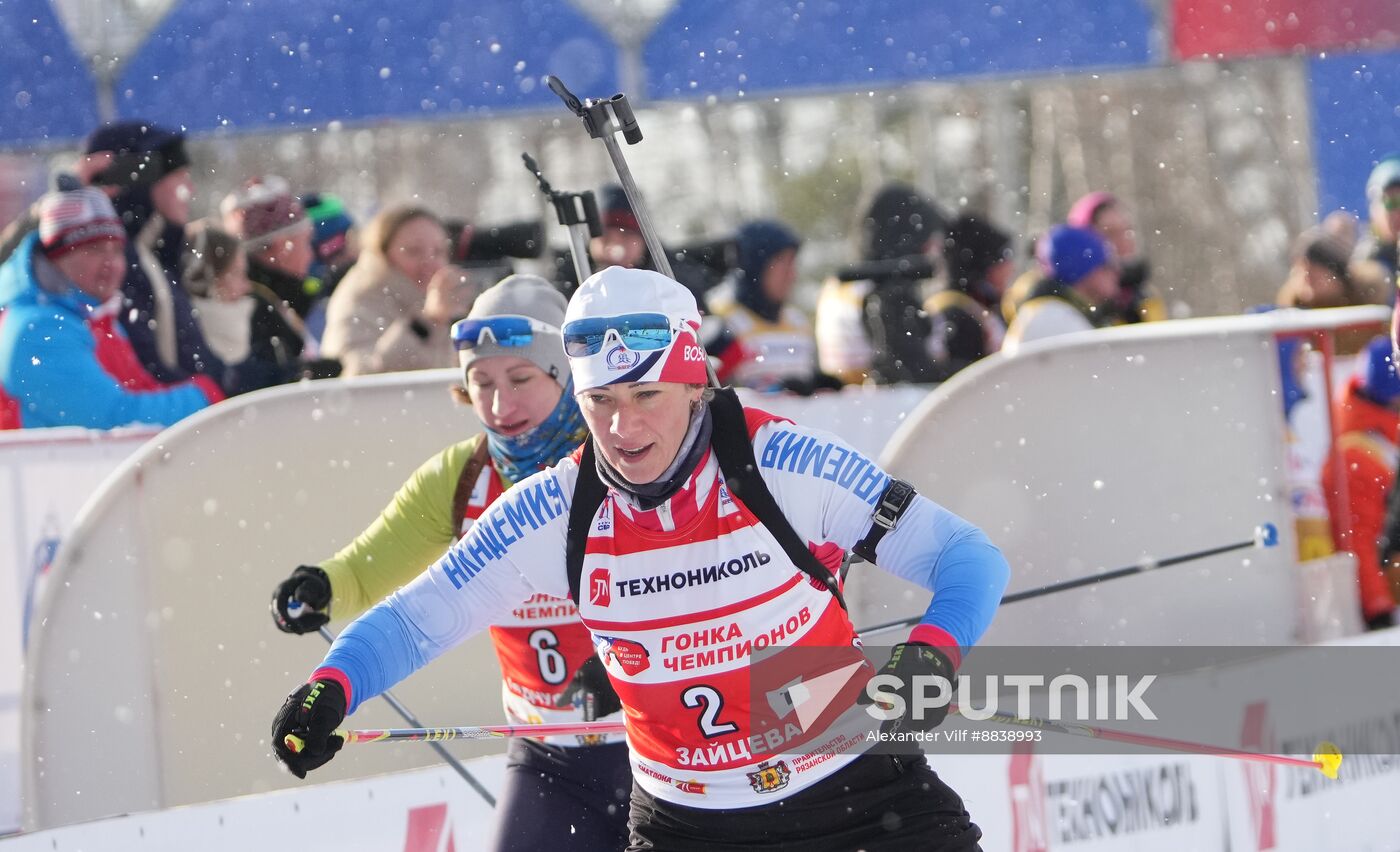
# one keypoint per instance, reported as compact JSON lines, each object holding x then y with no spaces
{"x":466,"y":482}
{"x":589,"y":492}
{"x":734,"y":449}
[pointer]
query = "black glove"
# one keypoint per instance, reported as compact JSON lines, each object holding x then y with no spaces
{"x":310,"y":587}
{"x":908,"y":661}
{"x":592,"y":683}
{"x":309,"y":716}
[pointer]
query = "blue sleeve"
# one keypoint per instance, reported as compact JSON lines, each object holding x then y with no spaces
{"x":967,"y":573}
{"x":474,"y":585}
{"x":829,"y":491}
{"x":54,"y":374}
{"x":376,"y":651}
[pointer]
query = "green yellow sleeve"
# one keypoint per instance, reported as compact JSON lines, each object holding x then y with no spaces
{"x":409,"y":535}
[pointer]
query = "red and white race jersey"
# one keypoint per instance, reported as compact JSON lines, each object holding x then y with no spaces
{"x":684,"y":602}
{"x":701,"y":723}
{"x":539,"y":645}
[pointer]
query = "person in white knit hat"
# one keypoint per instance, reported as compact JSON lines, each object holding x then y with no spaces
{"x":565,"y":792}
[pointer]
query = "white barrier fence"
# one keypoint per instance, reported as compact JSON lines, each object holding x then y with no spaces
{"x":45,"y":477}
{"x":1100,"y":450}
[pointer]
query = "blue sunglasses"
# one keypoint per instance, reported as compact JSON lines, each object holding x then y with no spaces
{"x":638,"y":332}
{"x":503,"y":330}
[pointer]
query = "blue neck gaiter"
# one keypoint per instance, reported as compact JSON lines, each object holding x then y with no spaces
{"x":530,"y":452}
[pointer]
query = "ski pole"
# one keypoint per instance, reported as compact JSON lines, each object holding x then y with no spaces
{"x":604,"y":118}
{"x":1265,"y":535}
{"x":1327,"y":758}
{"x":433,"y":736}
{"x":412,"y":720}
{"x":577,"y":212}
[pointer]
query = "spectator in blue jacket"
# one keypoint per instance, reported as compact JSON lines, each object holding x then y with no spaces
{"x":64,"y":358}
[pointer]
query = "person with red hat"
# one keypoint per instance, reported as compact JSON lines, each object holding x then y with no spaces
{"x":693,"y":534}
{"x":64,"y":358}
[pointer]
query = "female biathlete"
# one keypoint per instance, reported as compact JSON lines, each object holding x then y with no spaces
{"x":696,"y":537}
{"x":562,"y":792}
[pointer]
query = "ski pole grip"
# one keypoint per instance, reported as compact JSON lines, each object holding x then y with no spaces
{"x":296,"y":743}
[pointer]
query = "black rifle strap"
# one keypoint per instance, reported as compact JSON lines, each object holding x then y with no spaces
{"x":589,"y":493}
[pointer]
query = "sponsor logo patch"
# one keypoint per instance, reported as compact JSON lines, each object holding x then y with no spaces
{"x":770,"y":776}
{"x":632,"y":657}
{"x":600,"y":587}
{"x":621,"y":358}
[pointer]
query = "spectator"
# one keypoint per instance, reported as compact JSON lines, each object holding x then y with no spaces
{"x":274,"y":230}
{"x":145,"y":170}
{"x":335,"y":241}
{"x":967,"y":323}
{"x":622,"y":243}
{"x":216,"y":275}
{"x":1358,"y":480}
{"x":761,"y":341}
{"x":246,"y":323}
{"x":1103,"y":212}
{"x":876,"y":328}
{"x":1020,"y":288}
{"x":394,"y":309}
{"x":64,"y":360}
{"x":699,"y":267}
{"x":1080,"y":280}
{"x":1319,"y":276}
{"x":1381,"y":246}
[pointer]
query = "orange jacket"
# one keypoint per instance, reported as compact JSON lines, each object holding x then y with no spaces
{"x":1364,"y":453}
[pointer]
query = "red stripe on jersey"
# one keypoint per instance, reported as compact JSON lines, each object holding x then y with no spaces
{"x":756,"y":418}
{"x":642,"y":532}
{"x":718,"y":612}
